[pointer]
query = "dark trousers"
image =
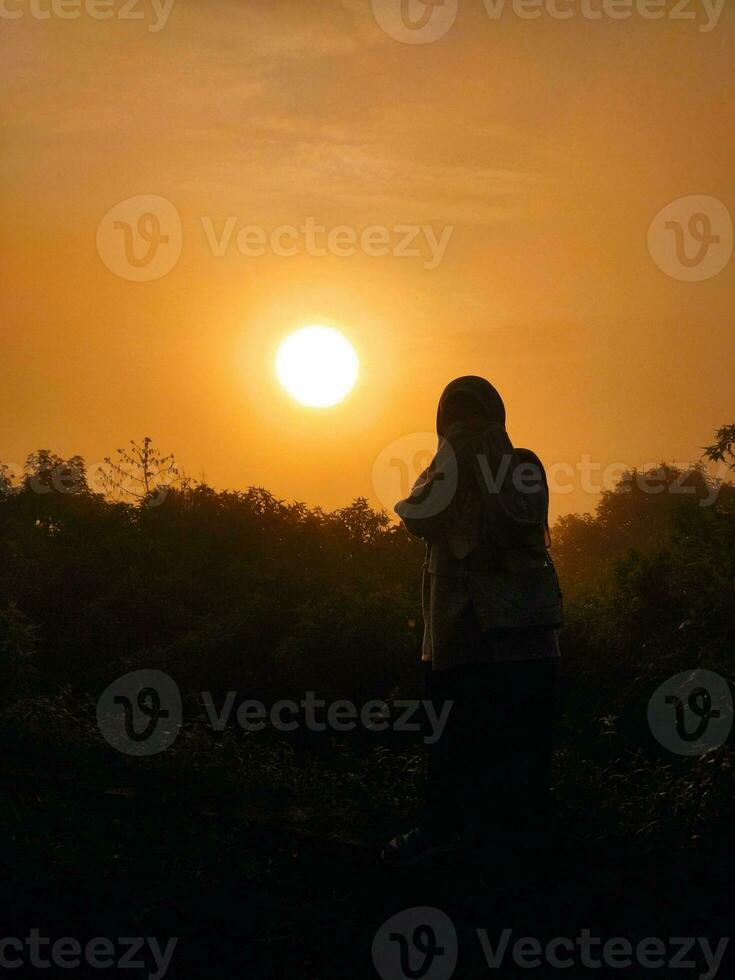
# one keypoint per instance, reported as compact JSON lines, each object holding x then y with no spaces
{"x":490,"y":770}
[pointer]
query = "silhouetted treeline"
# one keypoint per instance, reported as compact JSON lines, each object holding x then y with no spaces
{"x":650,"y":583}
{"x":223,"y":590}
{"x":237,"y":590}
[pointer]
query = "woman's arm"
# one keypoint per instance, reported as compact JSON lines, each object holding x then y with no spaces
{"x":419,"y":511}
{"x":431,"y":506}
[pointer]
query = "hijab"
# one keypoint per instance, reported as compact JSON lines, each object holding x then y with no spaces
{"x":476,"y":396}
{"x":484,"y":398}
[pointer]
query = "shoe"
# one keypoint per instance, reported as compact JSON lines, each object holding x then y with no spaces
{"x":418,"y":845}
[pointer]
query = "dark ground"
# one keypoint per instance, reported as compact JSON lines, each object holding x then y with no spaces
{"x":256,"y":883}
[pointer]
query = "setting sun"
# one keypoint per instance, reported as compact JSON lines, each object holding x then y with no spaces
{"x":317,"y":366}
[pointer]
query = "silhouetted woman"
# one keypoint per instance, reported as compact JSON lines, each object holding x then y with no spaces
{"x":491,"y":606}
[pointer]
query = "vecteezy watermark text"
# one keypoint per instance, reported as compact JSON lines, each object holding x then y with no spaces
{"x":425,"y":21}
{"x":315,"y":239}
{"x":422,"y":942}
{"x":706,"y":13}
{"x":100,"y":953}
{"x":317,"y":715}
{"x":403,"y":462}
{"x":592,"y":952}
{"x":94,"y":9}
{"x":140,"y":714}
{"x":141,"y":239}
{"x":67,"y":479}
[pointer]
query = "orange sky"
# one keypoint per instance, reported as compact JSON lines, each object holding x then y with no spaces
{"x":548,"y":146}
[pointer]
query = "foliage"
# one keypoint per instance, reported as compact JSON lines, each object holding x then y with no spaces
{"x":721,"y":450}
{"x":140,"y":474}
{"x":237,"y":590}
{"x":17,"y":654}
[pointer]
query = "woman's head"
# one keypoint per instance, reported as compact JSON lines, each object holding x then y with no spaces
{"x":469,"y":398}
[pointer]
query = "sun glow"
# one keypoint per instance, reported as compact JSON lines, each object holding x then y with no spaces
{"x":317,"y":366}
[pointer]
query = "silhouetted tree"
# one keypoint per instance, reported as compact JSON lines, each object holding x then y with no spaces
{"x":638,"y":514}
{"x":6,"y":483}
{"x":721,"y":451}
{"x":17,"y":653}
{"x":45,"y":473}
{"x":141,"y":474}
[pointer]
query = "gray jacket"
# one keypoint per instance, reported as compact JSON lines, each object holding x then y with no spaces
{"x":479,"y":601}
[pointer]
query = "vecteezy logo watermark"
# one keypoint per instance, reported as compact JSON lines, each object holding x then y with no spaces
{"x":400,"y":464}
{"x":691,"y":712}
{"x":422,"y":943}
{"x":140,"y":713}
{"x":417,"y":944}
{"x":67,"y":477}
{"x":401,"y":467}
{"x":415,"y":21}
{"x":691,"y":239}
{"x":423,"y":21}
{"x":140,"y":238}
{"x":94,"y":9}
{"x":100,"y":953}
